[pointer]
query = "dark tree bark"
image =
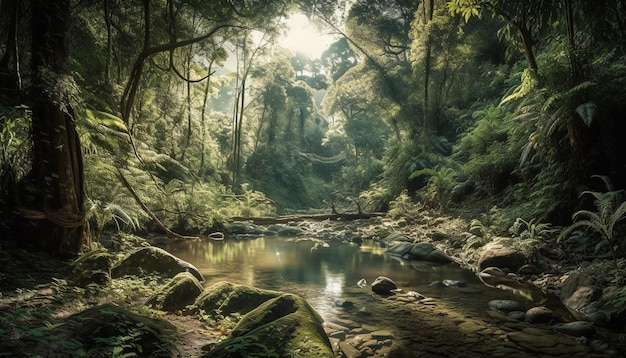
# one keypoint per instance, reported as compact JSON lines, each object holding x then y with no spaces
{"x":52,"y":195}
{"x":10,"y":77}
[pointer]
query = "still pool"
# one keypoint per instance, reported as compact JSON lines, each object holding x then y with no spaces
{"x":323,"y":275}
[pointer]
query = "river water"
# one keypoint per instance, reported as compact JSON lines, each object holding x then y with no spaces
{"x":450,"y":322}
{"x":323,"y":275}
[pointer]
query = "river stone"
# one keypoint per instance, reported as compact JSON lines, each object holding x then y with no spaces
{"x":224,"y":298}
{"x":497,"y":255}
{"x":505,"y":306}
{"x":283,"y":325}
{"x":582,"y":297}
{"x":517,"y":315}
{"x":288,"y":231}
{"x":418,"y":251}
{"x":540,"y":315}
{"x":528,"y":270}
{"x":573,"y":282}
{"x":153,"y":260}
{"x":453,"y":283}
{"x":383,"y":285}
{"x":493,"y":271}
{"x":348,"y":350}
{"x":576,"y":329}
{"x":343,"y":303}
{"x":394,"y":237}
{"x":182,"y":290}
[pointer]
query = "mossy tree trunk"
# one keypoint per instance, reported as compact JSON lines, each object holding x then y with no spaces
{"x":52,"y":195}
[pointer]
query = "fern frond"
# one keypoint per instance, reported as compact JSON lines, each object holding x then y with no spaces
{"x":617,"y":216}
{"x":120,"y":214}
{"x":606,"y":180}
{"x":526,"y":152}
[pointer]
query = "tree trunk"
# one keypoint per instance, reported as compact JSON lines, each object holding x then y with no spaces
{"x":10,"y":77}
{"x":52,"y":216}
{"x":527,"y":41}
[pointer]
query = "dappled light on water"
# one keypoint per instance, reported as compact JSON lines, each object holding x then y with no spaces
{"x":323,"y":275}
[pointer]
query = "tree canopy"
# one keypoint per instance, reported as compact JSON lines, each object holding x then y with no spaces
{"x":175,"y":115}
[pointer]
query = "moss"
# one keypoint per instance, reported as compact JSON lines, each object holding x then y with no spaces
{"x":286,"y":325}
{"x":226,"y":298}
{"x":180,"y":291}
{"x":108,"y":329}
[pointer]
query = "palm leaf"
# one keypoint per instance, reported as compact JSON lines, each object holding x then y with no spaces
{"x":587,"y":112}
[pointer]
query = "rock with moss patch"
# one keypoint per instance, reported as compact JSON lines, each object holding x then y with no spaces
{"x":181,"y":291}
{"x":283,"y":326}
{"x":226,"y":298}
{"x":104,"y":329}
{"x":153,"y":260}
{"x":93,"y":267}
{"x":418,"y":251}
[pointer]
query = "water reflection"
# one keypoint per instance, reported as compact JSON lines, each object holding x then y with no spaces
{"x":319,"y":274}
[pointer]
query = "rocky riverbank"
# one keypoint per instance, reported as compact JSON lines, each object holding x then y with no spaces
{"x":586,"y":320}
{"x":442,"y":320}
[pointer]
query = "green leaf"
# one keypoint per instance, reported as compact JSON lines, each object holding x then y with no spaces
{"x":587,"y":112}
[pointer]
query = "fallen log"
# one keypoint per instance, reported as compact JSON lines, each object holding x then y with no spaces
{"x":268,"y":220}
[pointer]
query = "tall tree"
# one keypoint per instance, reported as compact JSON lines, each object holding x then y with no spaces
{"x":51,"y":203}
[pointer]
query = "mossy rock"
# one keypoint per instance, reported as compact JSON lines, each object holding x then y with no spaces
{"x":393,"y":238}
{"x":227,"y":298}
{"x":181,"y":291}
{"x":418,"y":251}
{"x":282,"y":326}
{"x":109,"y":330}
{"x":153,"y":260}
{"x":93,"y":267}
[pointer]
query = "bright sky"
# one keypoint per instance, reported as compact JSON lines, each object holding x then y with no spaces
{"x":302,"y":36}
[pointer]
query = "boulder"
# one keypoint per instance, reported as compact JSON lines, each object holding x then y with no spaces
{"x":393,"y":238}
{"x":181,"y":291}
{"x":582,"y":298}
{"x":573,"y":282}
{"x":97,"y":328}
{"x":576,"y":329}
{"x":225,"y":298}
{"x":383,"y":285}
{"x":418,"y":251}
{"x":153,"y":260}
{"x":93,"y":267}
{"x":505,"y":306}
{"x":540,"y":315}
{"x":497,"y":255}
{"x":281,"y":326}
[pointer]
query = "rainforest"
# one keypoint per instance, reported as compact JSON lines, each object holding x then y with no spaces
{"x":307,"y":178}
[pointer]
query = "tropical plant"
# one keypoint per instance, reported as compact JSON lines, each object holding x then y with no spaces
{"x":441,"y":180}
{"x":532,"y":235}
{"x":610,"y":210}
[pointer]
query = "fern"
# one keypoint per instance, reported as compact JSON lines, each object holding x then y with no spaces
{"x":611,"y":209}
{"x":532,"y":235}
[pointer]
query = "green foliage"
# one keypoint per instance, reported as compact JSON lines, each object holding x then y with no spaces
{"x":610,"y":210}
{"x":532,"y":236}
{"x":247,"y":347}
{"x":403,"y":206}
{"x":441,"y":180}
{"x":488,"y":151}
{"x":616,"y":300}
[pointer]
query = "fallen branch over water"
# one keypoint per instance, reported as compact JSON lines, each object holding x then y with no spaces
{"x":268,"y":220}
